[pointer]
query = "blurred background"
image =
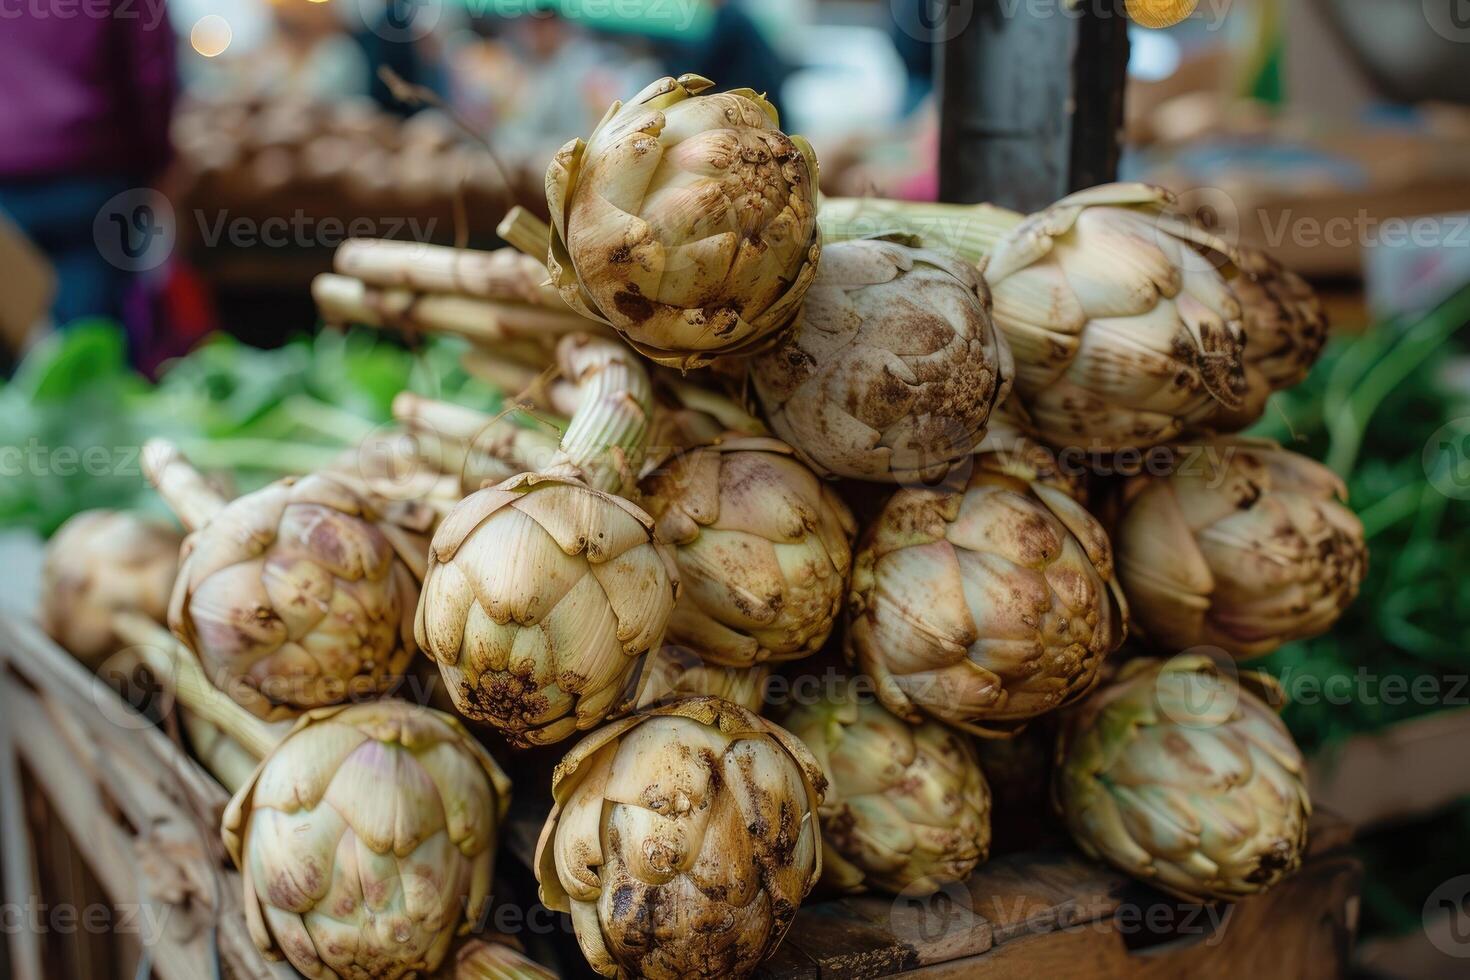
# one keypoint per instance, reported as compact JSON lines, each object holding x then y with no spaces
{"x":171,"y":181}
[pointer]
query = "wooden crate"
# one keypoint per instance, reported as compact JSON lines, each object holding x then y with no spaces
{"x":143,"y":819}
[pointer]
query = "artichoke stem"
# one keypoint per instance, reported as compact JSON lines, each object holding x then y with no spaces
{"x":176,"y":667}
{"x":343,"y":299}
{"x":970,"y":231}
{"x":193,"y":501}
{"x":522,"y":382}
{"x":608,"y":433}
{"x":503,"y":274}
{"x":526,"y":232}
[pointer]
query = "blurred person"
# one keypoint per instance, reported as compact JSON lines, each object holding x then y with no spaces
{"x":84,"y":117}
{"x":314,"y":56}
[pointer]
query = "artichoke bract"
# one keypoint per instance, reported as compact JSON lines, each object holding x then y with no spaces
{"x":892,"y":367}
{"x":907,"y":808}
{"x":1285,"y":330}
{"x":1240,"y":545}
{"x":101,"y":562}
{"x":1180,"y":776}
{"x":480,"y":960}
{"x":683,"y":840}
{"x":366,"y":839}
{"x":687,"y":221}
{"x":676,"y":672}
{"x":297,"y":595}
{"x":763,"y":549}
{"x":987,"y":607}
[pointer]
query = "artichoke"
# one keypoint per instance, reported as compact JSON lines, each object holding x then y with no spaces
{"x":1285,"y":329}
{"x":907,"y":807}
{"x":986,"y":607}
{"x":687,"y":221}
{"x":1178,"y":775}
{"x":1124,"y":334}
{"x":763,"y":549}
{"x":101,"y":562}
{"x":1242,"y":545}
{"x":296,"y":596}
{"x":892,"y":368}
{"x":541,"y":597}
{"x":682,"y":841}
{"x":366,"y":838}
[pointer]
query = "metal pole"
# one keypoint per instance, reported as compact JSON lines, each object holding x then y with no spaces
{"x":1031,"y":97}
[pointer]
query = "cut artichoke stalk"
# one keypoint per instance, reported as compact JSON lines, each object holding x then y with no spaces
{"x":1243,"y":546}
{"x":988,"y":607}
{"x":298,"y":595}
{"x":101,"y":562}
{"x":682,"y":841}
{"x":687,"y":221}
{"x":1117,"y":308}
{"x":892,"y":367}
{"x":481,"y":960}
{"x":675,"y":672}
{"x":365,"y":836}
{"x":544,"y":592}
{"x":763,"y":547}
{"x":1182,"y":777}
{"x":907,"y":808}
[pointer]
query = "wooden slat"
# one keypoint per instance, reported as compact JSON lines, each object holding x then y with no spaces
{"x":15,"y":854}
{"x":1409,"y":770}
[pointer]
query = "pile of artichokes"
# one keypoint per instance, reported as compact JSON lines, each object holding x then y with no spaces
{"x":631,"y":554}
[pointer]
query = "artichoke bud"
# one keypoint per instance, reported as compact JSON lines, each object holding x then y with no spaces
{"x":1124,"y":329}
{"x":101,"y":562}
{"x":1179,"y":775}
{"x":907,"y":808}
{"x":984,"y":608}
{"x":542,"y":596}
{"x":763,"y":549}
{"x":1285,"y":330}
{"x":892,"y":368}
{"x":296,"y":596}
{"x":366,"y":839}
{"x":682,"y":841}
{"x":687,"y":221}
{"x":1240,"y":545}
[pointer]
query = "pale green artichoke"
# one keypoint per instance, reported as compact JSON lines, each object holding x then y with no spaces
{"x":763,"y":549}
{"x":682,"y":841}
{"x":1242,"y":546}
{"x":1285,"y":330}
{"x":907,"y":808}
{"x":687,"y":221}
{"x":366,"y":840}
{"x":542,"y":596}
{"x":988,"y":607}
{"x":1123,"y":332}
{"x":98,"y":563}
{"x":1178,"y":775}
{"x":892,"y":368}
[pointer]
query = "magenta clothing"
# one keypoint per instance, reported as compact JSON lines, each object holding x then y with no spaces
{"x":86,"y":87}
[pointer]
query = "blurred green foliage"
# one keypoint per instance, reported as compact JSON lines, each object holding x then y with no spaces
{"x":75,"y":414}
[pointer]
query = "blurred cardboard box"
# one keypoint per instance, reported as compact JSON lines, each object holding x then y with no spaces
{"x":27,"y":286}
